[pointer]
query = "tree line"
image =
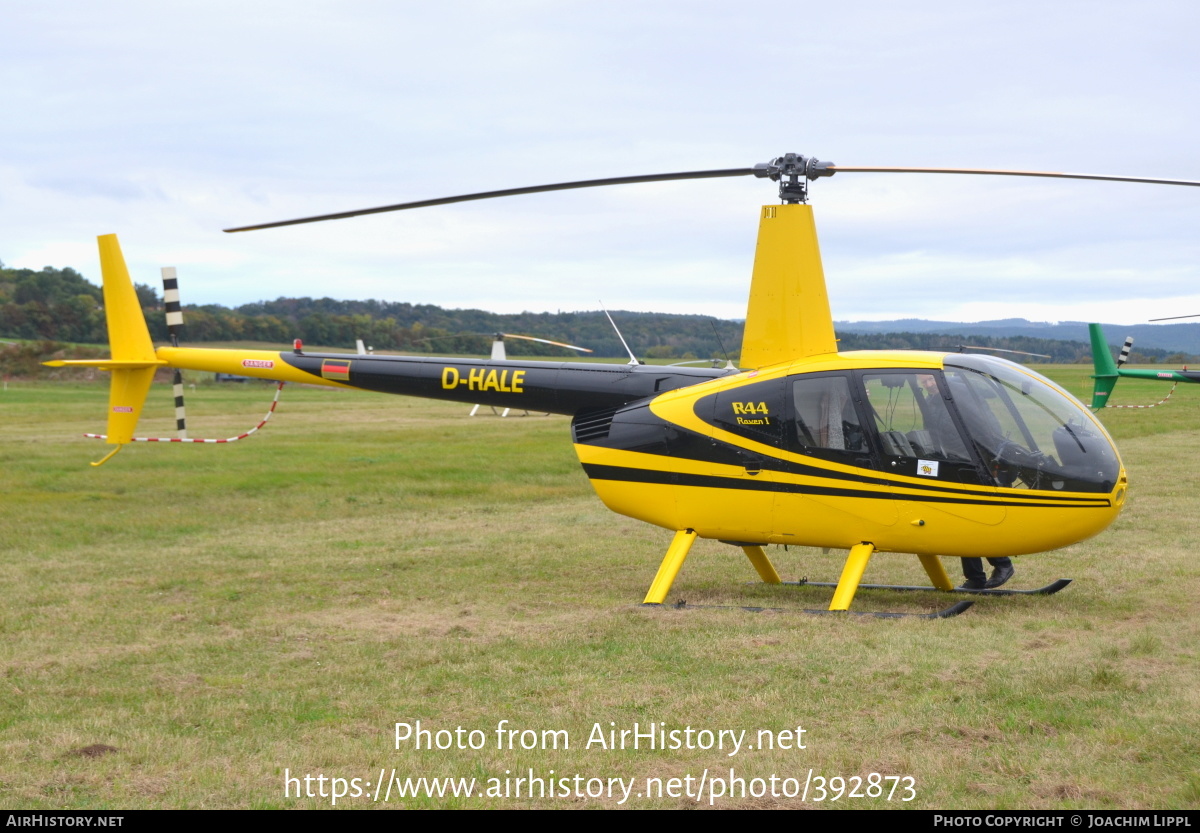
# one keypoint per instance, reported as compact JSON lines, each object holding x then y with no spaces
{"x":61,"y":305}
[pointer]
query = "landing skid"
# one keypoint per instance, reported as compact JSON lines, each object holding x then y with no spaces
{"x":953,"y":610}
{"x":1048,"y":590}
{"x":845,"y":588}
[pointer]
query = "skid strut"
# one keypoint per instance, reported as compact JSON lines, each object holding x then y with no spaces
{"x":852,"y":573}
{"x":936,"y":572}
{"x":670,"y":566}
{"x":758,"y":557}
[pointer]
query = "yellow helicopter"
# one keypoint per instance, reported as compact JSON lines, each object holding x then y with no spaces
{"x":875,"y":451}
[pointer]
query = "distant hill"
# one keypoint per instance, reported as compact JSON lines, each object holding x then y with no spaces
{"x":1173,"y":338}
{"x":62,"y":305}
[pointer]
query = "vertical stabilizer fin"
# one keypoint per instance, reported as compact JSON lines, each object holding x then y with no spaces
{"x":127,"y":333}
{"x":1106,"y":375}
{"x":788,"y":315}
{"x":129,"y":339}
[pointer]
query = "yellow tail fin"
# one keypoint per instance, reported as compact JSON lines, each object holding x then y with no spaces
{"x":788,"y":316}
{"x":133,"y":359}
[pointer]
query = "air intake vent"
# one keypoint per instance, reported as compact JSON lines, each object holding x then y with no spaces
{"x":590,"y":426}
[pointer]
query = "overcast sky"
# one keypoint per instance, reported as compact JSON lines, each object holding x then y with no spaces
{"x":166,"y":122}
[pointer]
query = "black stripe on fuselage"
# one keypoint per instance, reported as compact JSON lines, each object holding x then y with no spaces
{"x":749,"y":483}
{"x":684,"y":444}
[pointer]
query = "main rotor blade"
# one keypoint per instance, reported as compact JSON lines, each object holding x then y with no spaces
{"x":507,"y":192}
{"x":994,"y":172}
{"x":1173,"y":317}
{"x":548,"y":341}
{"x":789,"y":168}
{"x":962,"y":347}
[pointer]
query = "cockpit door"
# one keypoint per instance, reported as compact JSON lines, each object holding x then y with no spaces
{"x":930,"y":465}
{"x":834,"y":492}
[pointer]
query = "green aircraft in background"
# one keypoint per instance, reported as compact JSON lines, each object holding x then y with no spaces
{"x":1108,"y":372}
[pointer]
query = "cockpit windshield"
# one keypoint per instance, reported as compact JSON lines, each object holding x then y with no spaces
{"x":1029,"y":432}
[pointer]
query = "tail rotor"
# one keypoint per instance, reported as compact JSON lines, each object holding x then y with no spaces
{"x":1124,"y":356}
{"x":174,"y":312}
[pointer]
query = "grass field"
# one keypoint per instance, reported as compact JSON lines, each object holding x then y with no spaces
{"x":226,"y":616}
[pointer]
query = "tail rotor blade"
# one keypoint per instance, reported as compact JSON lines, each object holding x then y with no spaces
{"x":171,"y":303}
{"x":174,"y":325}
{"x":1124,"y":356}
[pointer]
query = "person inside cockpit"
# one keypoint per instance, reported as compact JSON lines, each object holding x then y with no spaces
{"x":943,"y":431}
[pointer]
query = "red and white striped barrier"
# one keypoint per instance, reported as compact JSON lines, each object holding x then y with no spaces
{"x":1155,"y":405}
{"x":274,"y":402}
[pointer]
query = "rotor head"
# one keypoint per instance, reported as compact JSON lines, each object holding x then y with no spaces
{"x":790,"y":171}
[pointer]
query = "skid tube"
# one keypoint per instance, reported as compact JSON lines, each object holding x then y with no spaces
{"x":954,"y":609}
{"x":1049,"y":590}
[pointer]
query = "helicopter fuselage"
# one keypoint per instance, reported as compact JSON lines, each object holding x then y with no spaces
{"x":872,"y":451}
{"x":913,"y":452}
{"x":817,"y":454}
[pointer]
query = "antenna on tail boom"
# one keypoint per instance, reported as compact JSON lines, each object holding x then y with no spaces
{"x":633,"y":360}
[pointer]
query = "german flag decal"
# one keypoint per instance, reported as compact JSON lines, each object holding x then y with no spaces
{"x":335,"y":369}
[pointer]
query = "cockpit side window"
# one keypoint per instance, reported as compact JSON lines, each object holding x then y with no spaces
{"x":825,"y":415}
{"x":918,"y":435}
{"x":825,"y":423}
{"x":1029,"y":434}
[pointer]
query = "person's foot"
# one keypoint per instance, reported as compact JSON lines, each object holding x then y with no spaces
{"x":975,"y":584}
{"x":999,"y":576}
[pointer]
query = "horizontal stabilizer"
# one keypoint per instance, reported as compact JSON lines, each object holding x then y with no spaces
{"x":104,"y":364}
